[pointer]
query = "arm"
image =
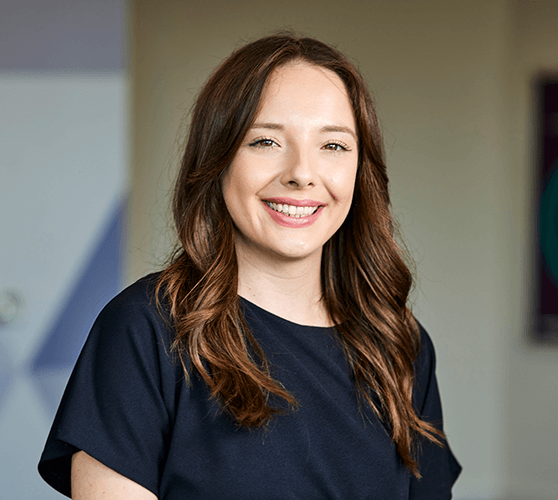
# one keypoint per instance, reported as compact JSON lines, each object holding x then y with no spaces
{"x":92,"y":480}
{"x":119,"y":400}
{"x":438,"y":466}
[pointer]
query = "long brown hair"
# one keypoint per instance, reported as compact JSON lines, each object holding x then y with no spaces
{"x":365,"y":281}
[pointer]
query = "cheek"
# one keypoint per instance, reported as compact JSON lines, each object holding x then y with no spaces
{"x":231,"y":195}
{"x":242,"y":176}
{"x":226,"y":189}
{"x":342,"y":184}
{"x":239,"y":188}
{"x":234,"y":182}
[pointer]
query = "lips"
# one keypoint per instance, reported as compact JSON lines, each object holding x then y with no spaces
{"x":284,"y":200}
{"x":292,"y":210}
{"x":292,"y":213}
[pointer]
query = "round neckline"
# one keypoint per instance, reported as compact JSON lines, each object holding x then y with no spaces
{"x":284,"y":320}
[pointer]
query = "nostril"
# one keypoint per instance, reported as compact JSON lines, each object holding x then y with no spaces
{"x":299,"y":184}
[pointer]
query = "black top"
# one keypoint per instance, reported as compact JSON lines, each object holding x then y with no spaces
{"x":127,"y":404}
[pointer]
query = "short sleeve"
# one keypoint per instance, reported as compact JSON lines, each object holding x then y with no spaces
{"x":115,"y":407}
{"x":438,"y":466}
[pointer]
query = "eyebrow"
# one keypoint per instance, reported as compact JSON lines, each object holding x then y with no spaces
{"x":337,"y":128}
{"x":271,"y":126}
{"x":326,"y":128}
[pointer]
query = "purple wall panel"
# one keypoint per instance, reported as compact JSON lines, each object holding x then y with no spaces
{"x":62,"y":36}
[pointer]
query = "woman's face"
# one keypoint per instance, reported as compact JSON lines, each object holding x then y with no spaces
{"x":290,"y":185}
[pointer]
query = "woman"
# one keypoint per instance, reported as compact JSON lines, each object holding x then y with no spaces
{"x":275,"y":357}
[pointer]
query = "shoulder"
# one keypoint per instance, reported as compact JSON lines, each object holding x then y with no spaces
{"x":438,"y":466}
{"x":132,"y":323}
{"x":139,"y":296}
{"x":135,"y":305}
{"x":425,"y":369}
{"x":427,"y":353}
{"x":120,"y":398}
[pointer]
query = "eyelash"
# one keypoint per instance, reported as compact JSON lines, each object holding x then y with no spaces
{"x":343,"y":147}
{"x":259,"y":143}
{"x":265,"y":142}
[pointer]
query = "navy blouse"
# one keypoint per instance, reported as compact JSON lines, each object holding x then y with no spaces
{"x":128,"y":405}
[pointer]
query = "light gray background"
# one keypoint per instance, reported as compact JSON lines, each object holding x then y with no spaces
{"x":64,"y":155}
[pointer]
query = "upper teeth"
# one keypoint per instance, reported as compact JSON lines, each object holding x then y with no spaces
{"x":292,"y":210}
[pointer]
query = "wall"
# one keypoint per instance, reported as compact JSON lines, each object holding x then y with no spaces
{"x":451,"y":81}
{"x":63,"y":161}
{"x":531,"y":371}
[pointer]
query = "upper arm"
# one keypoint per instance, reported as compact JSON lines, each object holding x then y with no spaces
{"x":92,"y":480}
{"x":118,"y":404}
{"x":438,"y":466}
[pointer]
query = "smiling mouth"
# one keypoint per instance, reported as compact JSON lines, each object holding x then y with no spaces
{"x":292,"y":210}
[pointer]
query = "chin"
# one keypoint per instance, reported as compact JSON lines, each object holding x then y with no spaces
{"x":298,"y":253}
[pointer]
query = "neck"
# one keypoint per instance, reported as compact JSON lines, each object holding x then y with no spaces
{"x":287,"y":288}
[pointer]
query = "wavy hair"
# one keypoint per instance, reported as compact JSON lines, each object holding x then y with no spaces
{"x":365,"y":282}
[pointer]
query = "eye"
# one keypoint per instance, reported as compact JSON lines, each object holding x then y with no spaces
{"x":263,"y":142}
{"x":336,"y":146}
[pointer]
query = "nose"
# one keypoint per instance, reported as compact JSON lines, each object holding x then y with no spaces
{"x":298,"y":172}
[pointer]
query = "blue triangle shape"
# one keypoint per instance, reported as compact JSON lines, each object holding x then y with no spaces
{"x":101,"y":280}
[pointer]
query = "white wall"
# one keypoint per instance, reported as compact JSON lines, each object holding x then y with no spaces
{"x":61,"y":179}
{"x":63,"y":173}
{"x":451,"y":81}
{"x":531,"y":371}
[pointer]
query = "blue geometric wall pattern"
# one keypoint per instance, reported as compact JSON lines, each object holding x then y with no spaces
{"x":100,"y":281}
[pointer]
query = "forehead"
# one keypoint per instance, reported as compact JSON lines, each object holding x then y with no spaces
{"x":303,"y":87}
{"x":297,"y":70}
